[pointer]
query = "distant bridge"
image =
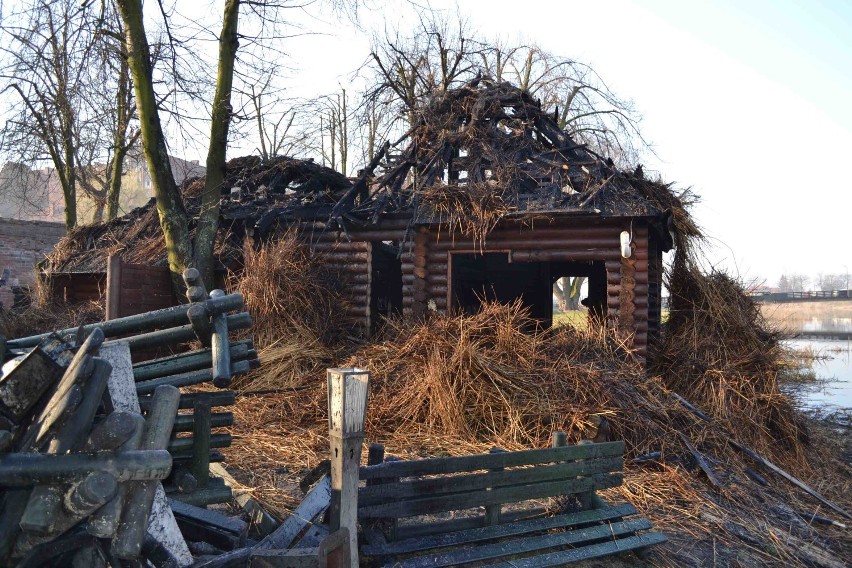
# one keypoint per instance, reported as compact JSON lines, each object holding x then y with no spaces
{"x":821,"y":296}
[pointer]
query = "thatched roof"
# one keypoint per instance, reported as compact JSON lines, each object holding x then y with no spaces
{"x":478,"y":154}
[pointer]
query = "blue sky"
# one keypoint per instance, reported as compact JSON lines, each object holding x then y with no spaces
{"x":749,"y":103}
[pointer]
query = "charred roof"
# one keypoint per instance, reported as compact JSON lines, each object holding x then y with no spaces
{"x":478,"y":153}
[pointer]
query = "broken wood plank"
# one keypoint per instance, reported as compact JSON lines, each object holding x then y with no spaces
{"x":701,"y":461}
{"x":765,"y":462}
{"x":316,"y":502}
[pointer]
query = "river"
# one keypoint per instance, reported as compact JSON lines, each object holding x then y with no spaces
{"x":823,"y":329}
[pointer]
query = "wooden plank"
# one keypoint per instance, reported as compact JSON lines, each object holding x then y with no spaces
{"x":587,"y":552}
{"x":207,"y":525}
{"x":501,"y":531}
{"x":459,"y":501}
{"x":113,"y":288}
{"x":469,"y":482}
{"x":421,"y":529}
{"x":315,"y":502}
{"x":435,"y":466}
{"x":525,"y":545}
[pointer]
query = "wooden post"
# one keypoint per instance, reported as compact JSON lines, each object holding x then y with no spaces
{"x":347,"y":407}
{"x":201,"y":441}
{"x":195,"y":291}
{"x":220,"y":347}
{"x":492,"y":512}
{"x":113,"y":288}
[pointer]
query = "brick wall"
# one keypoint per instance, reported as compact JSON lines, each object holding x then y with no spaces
{"x":22,"y":245}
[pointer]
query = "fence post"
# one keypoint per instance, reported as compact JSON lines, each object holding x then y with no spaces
{"x":113,"y":287}
{"x":347,"y":409}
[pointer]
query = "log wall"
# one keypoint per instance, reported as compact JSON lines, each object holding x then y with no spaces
{"x":136,"y":288}
{"x":427,"y":266}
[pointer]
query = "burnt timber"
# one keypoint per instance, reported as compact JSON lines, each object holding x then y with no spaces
{"x":484,"y":197}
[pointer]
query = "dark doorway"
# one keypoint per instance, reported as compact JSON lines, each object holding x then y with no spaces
{"x":386,"y":284}
{"x":491,"y":276}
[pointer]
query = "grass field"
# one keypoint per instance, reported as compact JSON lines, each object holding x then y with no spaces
{"x":790,"y":315}
{"x":577,"y":318}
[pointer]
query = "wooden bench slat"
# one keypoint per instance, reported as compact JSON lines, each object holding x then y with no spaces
{"x":435,"y":466}
{"x":421,"y":530}
{"x":469,"y":482}
{"x":585,"y":553}
{"x":499,"y":531}
{"x":525,"y":545}
{"x":459,"y":501}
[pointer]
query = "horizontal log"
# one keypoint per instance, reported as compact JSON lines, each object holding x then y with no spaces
{"x":438,"y":290}
{"x":556,"y":255}
{"x":178,"y":445}
{"x":22,"y":470}
{"x":532,"y":243}
{"x":187,"y":400}
{"x":165,"y":318}
{"x":184,"y":422}
{"x":358,"y":311}
{"x":498,"y":235}
{"x":189,"y":379}
{"x":379,"y":235}
{"x":216,"y":456}
{"x":188,"y":361}
{"x":436,"y":278}
{"x":181,"y":334}
{"x":346,"y":261}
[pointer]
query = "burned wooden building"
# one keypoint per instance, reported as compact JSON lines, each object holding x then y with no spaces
{"x":490,"y":200}
{"x":485,"y":198}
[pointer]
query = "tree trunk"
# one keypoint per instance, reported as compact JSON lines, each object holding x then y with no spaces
{"x":208,"y":218}
{"x":120,"y":145}
{"x":170,"y":207}
{"x":557,"y":293}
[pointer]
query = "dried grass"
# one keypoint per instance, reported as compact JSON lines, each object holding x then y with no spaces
{"x":719,"y":352}
{"x":455,"y":385}
{"x":297,"y":308}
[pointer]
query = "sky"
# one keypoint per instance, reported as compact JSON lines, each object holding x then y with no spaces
{"x":748,"y":103}
{"x":745,"y":102}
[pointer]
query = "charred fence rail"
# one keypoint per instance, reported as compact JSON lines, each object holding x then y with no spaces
{"x":80,"y":479}
{"x":69,"y":460}
{"x":205,"y":318}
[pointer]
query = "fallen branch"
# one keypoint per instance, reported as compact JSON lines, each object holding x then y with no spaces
{"x":765,"y":462}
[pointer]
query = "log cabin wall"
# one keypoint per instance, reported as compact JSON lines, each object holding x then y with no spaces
{"x":76,"y":287}
{"x":427,"y":266}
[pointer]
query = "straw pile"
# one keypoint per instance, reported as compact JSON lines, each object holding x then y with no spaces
{"x":454,"y":385}
{"x":297,"y":308}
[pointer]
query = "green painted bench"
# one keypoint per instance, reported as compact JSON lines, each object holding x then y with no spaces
{"x":457,"y":511}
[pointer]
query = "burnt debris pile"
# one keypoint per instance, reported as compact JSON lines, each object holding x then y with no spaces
{"x":103,"y":459}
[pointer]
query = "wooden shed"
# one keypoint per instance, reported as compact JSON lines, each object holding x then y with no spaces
{"x":489,"y":199}
{"x":486,"y":198}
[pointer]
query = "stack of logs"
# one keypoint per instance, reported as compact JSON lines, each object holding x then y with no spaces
{"x":87,"y":437}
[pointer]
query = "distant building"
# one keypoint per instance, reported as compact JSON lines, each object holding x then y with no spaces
{"x":36,"y":195}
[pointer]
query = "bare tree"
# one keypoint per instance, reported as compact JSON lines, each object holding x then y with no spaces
{"x":263,"y":22}
{"x":793,"y":282}
{"x":71,"y":109}
{"x":829,"y":282}
{"x":442,"y":52}
{"x":566,"y":290}
{"x":47,"y":49}
{"x":581,"y":102}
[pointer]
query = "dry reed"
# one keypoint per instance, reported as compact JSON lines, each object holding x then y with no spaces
{"x":297,"y":308}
